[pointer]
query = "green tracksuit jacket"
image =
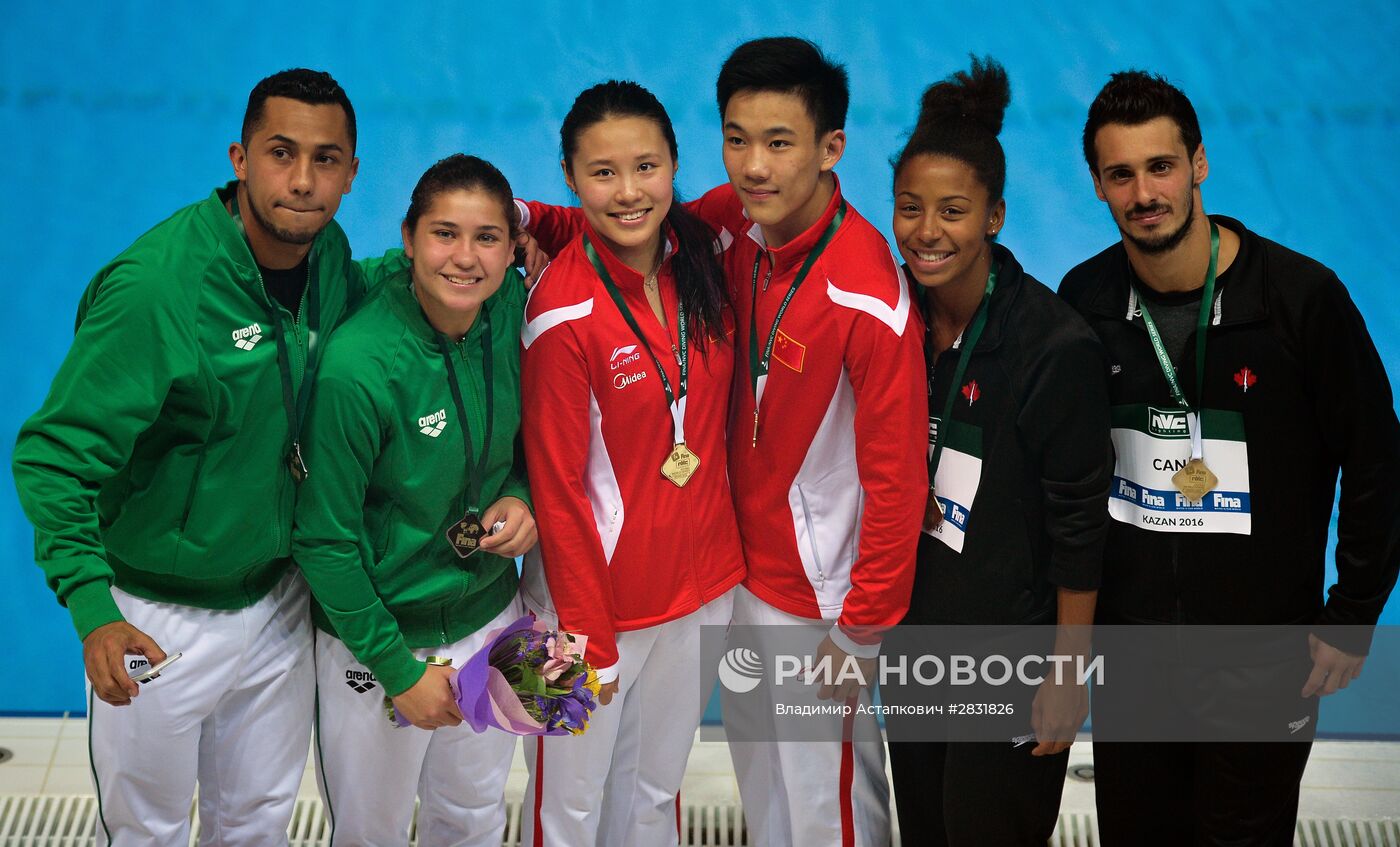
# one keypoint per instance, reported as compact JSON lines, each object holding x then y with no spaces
{"x":389,"y":477}
{"x":158,"y":461}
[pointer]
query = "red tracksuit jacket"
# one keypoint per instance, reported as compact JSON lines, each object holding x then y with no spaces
{"x":831,"y":499}
{"x":621,"y":547}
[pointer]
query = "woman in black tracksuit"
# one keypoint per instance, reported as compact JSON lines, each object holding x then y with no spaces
{"x":1017,"y":514}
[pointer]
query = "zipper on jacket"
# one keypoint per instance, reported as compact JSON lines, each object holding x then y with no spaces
{"x":694,"y":559}
{"x":478,"y":402}
{"x":768,"y":275}
{"x":262,"y":286}
{"x":812,"y":534}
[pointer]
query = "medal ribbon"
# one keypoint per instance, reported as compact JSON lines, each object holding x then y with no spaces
{"x":758,"y":364}
{"x":1193,"y":421}
{"x":475,"y":475}
{"x":966,"y":342}
{"x":675,"y":398}
{"x":294,"y":402}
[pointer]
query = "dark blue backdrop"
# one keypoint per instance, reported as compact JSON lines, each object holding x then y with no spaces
{"x":117,"y":114}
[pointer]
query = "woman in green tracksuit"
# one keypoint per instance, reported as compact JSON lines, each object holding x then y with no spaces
{"x":412,"y":434}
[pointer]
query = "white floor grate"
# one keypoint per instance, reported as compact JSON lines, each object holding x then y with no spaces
{"x":31,"y":820}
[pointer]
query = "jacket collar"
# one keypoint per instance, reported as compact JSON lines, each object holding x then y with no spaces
{"x":793,"y":253}
{"x":1242,"y":298}
{"x":214,"y":213}
{"x":626,"y":278}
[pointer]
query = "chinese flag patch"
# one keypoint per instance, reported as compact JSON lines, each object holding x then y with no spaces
{"x":789,"y":352}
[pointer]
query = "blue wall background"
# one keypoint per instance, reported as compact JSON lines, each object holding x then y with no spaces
{"x":117,"y":114}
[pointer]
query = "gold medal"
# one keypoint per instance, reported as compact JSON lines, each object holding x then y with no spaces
{"x":933,"y":512}
{"x":1195,"y":480}
{"x":680,"y":464}
{"x":465,"y":535}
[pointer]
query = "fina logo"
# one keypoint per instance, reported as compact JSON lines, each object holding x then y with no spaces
{"x":740,"y":670}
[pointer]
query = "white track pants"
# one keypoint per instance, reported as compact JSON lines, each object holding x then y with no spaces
{"x":234,"y":713}
{"x":369,"y":770}
{"x":619,"y":783}
{"x":811,"y":793}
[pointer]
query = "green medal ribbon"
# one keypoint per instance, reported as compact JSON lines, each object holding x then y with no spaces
{"x":1164,"y":360}
{"x":758,"y":364}
{"x":475,"y":475}
{"x":294,"y":402}
{"x":674,"y":397}
{"x":969,"y":341}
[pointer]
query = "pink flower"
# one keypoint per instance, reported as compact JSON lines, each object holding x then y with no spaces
{"x":560,"y":658}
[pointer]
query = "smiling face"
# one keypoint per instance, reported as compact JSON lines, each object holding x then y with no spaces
{"x":1150,"y":182}
{"x":622,"y":172}
{"x":943,"y":217}
{"x":296,"y":166}
{"x":460,"y":247}
{"x":776,"y":160}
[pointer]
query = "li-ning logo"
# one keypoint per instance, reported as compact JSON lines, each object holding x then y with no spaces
{"x":624,"y":356}
{"x":740,"y":670}
{"x":247,"y":337}
{"x":1295,"y":726}
{"x":1244,"y":378}
{"x":361,"y":682}
{"x":1167,"y":423}
{"x":432,"y":425}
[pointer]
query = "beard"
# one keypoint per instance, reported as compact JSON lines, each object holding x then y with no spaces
{"x":286,"y":236}
{"x":1163,"y":243}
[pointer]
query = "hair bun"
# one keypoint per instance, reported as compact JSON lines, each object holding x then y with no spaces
{"x":979,"y":95}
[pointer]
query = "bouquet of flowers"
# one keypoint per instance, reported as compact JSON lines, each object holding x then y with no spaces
{"x":527,"y":680}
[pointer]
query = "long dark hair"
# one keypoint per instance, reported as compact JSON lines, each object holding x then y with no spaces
{"x":699,"y":281}
{"x":960,"y":118}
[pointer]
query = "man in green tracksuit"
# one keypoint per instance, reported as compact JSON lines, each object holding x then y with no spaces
{"x":161,"y":470}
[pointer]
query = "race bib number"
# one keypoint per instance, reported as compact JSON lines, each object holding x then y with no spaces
{"x":1152,"y":444}
{"x":955,"y":485}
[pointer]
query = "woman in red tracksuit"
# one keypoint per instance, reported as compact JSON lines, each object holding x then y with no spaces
{"x":628,"y":356}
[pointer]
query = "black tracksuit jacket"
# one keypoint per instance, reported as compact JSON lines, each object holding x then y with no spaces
{"x":1288,"y":351}
{"x":1033,"y":404}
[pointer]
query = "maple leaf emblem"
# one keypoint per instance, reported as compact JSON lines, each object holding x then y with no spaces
{"x":971,"y":392}
{"x":1244,"y":378}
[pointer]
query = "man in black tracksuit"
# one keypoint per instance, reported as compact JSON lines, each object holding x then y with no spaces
{"x":1290,"y":391}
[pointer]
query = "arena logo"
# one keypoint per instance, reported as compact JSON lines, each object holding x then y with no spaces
{"x":432,"y":425}
{"x":247,"y":337}
{"x":362,"y":682}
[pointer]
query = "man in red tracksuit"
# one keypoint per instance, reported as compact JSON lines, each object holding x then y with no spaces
{"x":827,"y":435}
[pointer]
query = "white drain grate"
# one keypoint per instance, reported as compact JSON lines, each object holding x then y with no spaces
{"x":1075,"y":831}
{"x":71,"y":820}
